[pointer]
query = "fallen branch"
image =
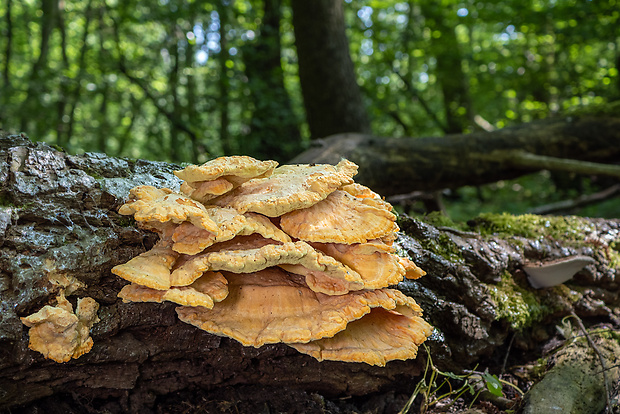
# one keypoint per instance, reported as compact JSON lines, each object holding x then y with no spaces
{"x":581,"y":201}
{"x":526,"y":160}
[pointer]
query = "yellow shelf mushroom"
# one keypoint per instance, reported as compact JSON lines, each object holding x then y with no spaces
{"x":299,"y":254}
{"x":60,"y":334}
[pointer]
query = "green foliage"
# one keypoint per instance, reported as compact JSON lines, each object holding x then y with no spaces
{"x":519,"y":60}
{"x":438,"y":386}
{"x":526,"y":193}
{"x":511,"y":196}
{"x":184,"y":81}
{"x":159,"y":80}
{"x":494,"y":386}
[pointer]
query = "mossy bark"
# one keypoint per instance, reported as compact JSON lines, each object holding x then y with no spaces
{"x":60,"y":231}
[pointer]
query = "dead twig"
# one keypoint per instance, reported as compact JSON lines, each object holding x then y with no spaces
{"x":600,"y":357}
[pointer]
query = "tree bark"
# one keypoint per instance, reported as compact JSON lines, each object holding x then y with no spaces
{"x":59,"y":228}
{"x":402,"y":165}
{"x":331,"y":95}
{"x":224,"y":80}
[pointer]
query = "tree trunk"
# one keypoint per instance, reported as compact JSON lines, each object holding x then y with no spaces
{"x":274,"y":131}
{"x":60,"y":231}
{"x":331,"y":95}
{"x":176,"y":149}
{"x":402,"y":165}
{"x":224,"y":80}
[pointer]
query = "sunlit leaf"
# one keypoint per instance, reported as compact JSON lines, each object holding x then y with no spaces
{"x":493,"y":384}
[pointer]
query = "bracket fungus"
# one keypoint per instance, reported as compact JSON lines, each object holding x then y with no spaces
{"x":189,"y":239}
{"x":299,"y":254}
{"x":554,"y":272}
{"x":339,"y":218}
{"x":298,"y":258}
{"x":288,"y":188}
{"x":151,"y":269}
{"x":219,"y":176}
{"x":378,"y":337}
{"x":209,"y":288}
{"x":236,"y":169}
{"x":273,"y":306}
{"x":152,"y":205}
{"x":375,"y":262}
{"x":60,"y":334}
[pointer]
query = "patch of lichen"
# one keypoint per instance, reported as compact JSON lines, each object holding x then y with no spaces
{"x":569,"y":228}
{"x":521,"y":306}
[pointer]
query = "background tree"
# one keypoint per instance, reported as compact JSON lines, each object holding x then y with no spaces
{"x":331,"y":96}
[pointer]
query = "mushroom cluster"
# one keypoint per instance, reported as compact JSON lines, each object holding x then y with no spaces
{"x":58,"y":332}
{"x":298,"y":254}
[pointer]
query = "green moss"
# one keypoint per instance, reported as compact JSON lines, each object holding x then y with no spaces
{"x":5,"y":200}
{"x":444,"y":247}
{"x":438,"y":219}
{"x":126,"y":221}
{"x":533,"y":226}
{"x":521,"y":307}
{"x":571,"y":230}
{"x":436,"y":242}
{"x":613,"y":254}
{"x":93,"y":174}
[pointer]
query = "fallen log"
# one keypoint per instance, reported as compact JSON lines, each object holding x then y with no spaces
{"x":60,"y":230}
{"x":401,"y":165}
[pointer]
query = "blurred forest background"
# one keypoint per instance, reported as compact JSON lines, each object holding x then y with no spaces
{"x":186,"y":81}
